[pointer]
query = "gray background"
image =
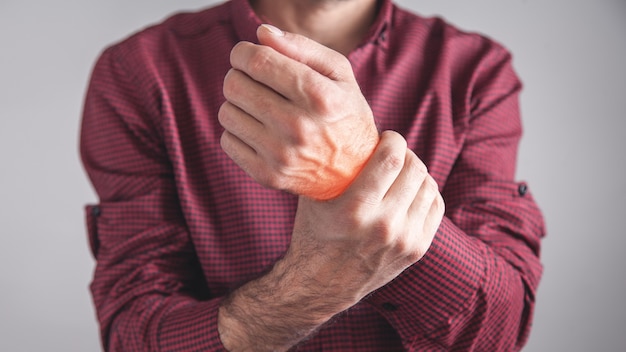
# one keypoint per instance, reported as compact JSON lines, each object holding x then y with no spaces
{"x":569,"y":53}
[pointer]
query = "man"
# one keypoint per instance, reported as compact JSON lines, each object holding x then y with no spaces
{"x":248,"y":202}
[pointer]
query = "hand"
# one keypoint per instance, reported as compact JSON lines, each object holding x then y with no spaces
{"x":341,"y":250}
{"x":295,"y":118}
{"x":382,"y":224}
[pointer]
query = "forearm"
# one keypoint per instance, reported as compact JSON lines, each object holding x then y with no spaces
{"x":277,"y":311}
{"x":340,"y":252}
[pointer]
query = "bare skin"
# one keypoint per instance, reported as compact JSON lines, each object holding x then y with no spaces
{"x":328,"y":148}
{"x":342,"y":249}
{"x":337,"y":24}
{"x":295,"y":117}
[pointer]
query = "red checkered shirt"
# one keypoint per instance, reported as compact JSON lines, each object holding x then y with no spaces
{"x":179,"y":225}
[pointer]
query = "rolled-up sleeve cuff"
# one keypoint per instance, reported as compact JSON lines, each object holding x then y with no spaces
{"x":191,"y":327}
{"x":428,"y":298}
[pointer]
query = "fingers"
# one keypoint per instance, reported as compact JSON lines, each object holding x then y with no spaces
{"x":395,"y":176}
{"x":405,"y":188}
{"x":254,"y":98}
{"x":424,"y":200}
{"x":238,"y":123}
{"x":246,"y":141}
{"x":291,"y":65}
{"x":252,"y":162}
{"x":285,"y":76}
{"x":415,"y":193}
{"x":382,"y":169}
{"x":320,"y":58}
{"x":241,"y":153}
{"x":426,"y":213}
{"x":435,"y":215}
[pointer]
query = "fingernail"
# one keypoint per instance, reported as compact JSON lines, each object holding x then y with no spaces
{"x":273,"y":30}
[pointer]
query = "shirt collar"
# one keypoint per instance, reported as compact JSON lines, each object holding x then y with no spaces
{"x":378,"y":32}
{"x":246,"y":22}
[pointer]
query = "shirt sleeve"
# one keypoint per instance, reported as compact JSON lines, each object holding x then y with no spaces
{"x":148,"y":286}
{"x":475,"y":288}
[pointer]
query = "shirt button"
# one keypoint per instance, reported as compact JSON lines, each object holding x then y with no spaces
{"x":96,"y":211}
{"x":522,"y":189}
{"x":390,"y":307}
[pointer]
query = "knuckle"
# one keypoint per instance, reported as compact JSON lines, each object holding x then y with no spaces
{"x":419,"y":166}
{"x":416,"y":169}
{"x":356,"y":213}
{"x":283,"y":160}
{"x":320,"y":103}
{"x":340,"y":65}
{"x":299,"y":132}
{"x":235,"y":85}
{"x":274,"y":182}
{"x":415,"y":254}
{"x":390,"y":159}
{"x":259,"y":60}
{"x":415,"y":249}
{"x":316,"y":92}
{"x":235,"y":52}
{"x":238,"y":47}
{"x":440,"y":206}
{"x":342,"y":62}
{"x":431,"y":186}
{"x":441,"y":202}
{"x":239,"y":52}
{"x":335,"y":102}
{"x":407,"y":247}
{"x":402,"y":247}
{"x":385,"y":232}
{"x":228,"y":89}
{"x":222,"y":116}
{"x":393,"y":140}
{"x":264,"y":179}
{"x":270,"y":179}
{"x":225,"y":143}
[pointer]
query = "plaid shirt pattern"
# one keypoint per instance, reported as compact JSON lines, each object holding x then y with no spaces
{"x":178,"y":225}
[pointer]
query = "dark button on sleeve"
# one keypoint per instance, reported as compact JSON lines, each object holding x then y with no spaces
{"x":522,"y":189}
{"x":95,"y":211}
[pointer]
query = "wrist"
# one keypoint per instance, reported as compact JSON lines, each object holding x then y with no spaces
{"x":271,"y":313}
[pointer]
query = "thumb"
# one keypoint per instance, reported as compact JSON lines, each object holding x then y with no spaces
{"x":320,"y":58}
